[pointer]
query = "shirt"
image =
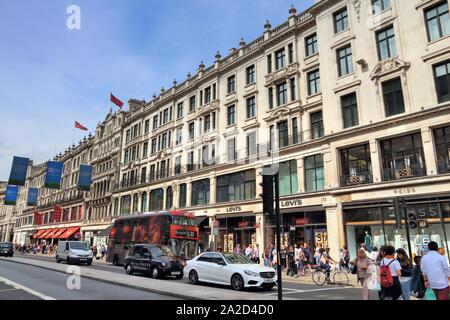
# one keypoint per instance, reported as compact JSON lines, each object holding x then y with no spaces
{"x":394,"y":266}
{"x":436,"y":269}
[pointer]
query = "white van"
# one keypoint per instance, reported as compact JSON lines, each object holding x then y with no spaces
{"x":74,"y":252}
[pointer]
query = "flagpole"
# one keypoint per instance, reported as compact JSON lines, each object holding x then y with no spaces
{"x":73,"y":133}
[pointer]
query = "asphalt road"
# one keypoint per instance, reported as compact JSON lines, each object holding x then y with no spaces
{"x":54,"y":285}
{"x":290,"y":290}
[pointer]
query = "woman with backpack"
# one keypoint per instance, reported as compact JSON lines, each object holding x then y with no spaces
{"x":406,"y":272}
{"x":390,"y":272}
{"x":361,"y":264}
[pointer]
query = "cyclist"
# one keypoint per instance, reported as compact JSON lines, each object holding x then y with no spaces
{"x":325,"y":261}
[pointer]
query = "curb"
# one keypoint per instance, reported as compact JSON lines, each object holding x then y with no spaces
{"x":131,"y":286}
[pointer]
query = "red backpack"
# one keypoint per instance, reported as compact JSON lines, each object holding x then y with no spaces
{"x":386,"y":280}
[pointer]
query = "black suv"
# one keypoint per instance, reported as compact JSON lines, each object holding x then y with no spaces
{"x":6,"y":249}
{"x":155,"y":260}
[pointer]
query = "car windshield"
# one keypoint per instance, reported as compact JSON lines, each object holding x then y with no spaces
{"x":5,"y":245}
{"x":161,"y":252}
{"x":79,"y":246}
{"x":233,"y":258}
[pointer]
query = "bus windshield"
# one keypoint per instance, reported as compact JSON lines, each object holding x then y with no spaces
{"x":183,"y":248}
{"x":183,"y":221}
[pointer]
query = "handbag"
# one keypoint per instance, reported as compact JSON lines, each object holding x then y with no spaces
{"x":355,"y":267}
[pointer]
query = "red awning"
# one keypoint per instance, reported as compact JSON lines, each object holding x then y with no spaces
{"x":51,"y":234}
{"x":45,"y":234}
{"x":38,"y":233}
{"x":69,"y":232}
{"x":58,"y":233}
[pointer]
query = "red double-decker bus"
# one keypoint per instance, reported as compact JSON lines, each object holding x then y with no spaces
{"x":175,"y":229}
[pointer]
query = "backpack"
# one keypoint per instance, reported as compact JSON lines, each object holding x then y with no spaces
{"x":386,"y":280}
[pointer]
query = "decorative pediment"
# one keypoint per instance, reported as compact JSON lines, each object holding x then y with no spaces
{"x":277,"y":114}
{"x":208,"y":108}
{"x":285,"y":73}
{"x":162,"y":154}
{"x":388,"y":66}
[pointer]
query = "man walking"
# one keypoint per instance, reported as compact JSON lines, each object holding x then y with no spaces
{"x":436,"y":272}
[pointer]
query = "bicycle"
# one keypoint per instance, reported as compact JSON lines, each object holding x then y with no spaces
{"x":339,"y":277}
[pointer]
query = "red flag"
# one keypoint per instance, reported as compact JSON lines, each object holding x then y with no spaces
{"x":116,"y":101}
{"x":79,"y":126}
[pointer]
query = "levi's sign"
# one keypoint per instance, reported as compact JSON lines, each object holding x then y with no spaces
{"x":234,"y":209}
{"x":291,"y":203}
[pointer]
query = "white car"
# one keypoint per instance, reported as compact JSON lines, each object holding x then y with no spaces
{"x":229,"y":269}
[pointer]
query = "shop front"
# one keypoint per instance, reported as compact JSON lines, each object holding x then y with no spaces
{"x":96,"y":235}
{"x":377,"y":224}
{"x":234,"y":231}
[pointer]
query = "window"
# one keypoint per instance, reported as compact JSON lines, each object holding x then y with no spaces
{"x":251,"y":107}
{"x":283,"y":134}
{"x":182,"y":196}
{"x":125,"y":160}
{"x":127,"y":136}
{"x":350,"y":110}
{"x":356,"y":165}
{"x":155,"y":122}
{"x":191,"y":103}
{"x":294,"y":130}
{"x":279,"y":59}
{"x":288,"y":181}
{"x":281,"y":94}
{"x":402,"y":157}
{"x":191,"y":129}
{"x":231,"y":115}
{"x":317,"y":125}
{"x":292,"y":82}
{"x":214,"y":91}
{"x":231,"y":84}
{"x":144,"y":202}
{"x":380,"y":5}
{"x":393,"y":97}
{"x":269,"y":63}
{"x":169,"y":198}
{"x":207,"y":124}
{"x":190,"y":161}
{"x":145,"y":149}
{"x":313,"y":82}
{"x":442,"y":141}
{"x":442,"y":79}
{"x":146,"y":126}
{"x":231,"y":149}
{"x":164,"y":141}
{"x":438,"y":21}
{"x":291,"y":53}
{"x":250,"y":74}
{"x":270,"y":94}
{"x":165,"y":116}
{"x":311,"y":45}
{"x":154,"y":146}
{"x":180,"y":110}
{"x":208,"y":95}
{"x":386,"y":44}
{"x":314,"y":174}
{"x":340,"y":20}
{"x":236,"y":187}
{"x":251,"y":144}
{"x":178,"y":165}
{"x":179,"y":136}
{"x":200,"y":192}
{"x":345,"y":61}
{"x":201,"y":98}
{"x":156,"y":200}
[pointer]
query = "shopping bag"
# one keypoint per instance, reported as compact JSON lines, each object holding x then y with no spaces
{"x":429,"y":294}
{"x":373,"y":281}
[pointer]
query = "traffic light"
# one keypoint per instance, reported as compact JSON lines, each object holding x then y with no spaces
{"x":398,"y":211}
{"x":267,"y":195}
{"x":412,"y":220}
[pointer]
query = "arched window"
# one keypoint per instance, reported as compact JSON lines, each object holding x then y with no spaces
{"x":116,"y":206}
{"x":144,"y":202}
{"x":125,"y":205}
{"x":169,"y":198}
{"x":135,"y":203}
{"x":200,"y":192}
{"x":156,"y":200}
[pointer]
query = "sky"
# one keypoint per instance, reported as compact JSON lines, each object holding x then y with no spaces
{"x":51,"y":76}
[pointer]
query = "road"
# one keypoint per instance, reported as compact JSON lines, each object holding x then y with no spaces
{"x":50,"y":284}
{"x":54,"y":284}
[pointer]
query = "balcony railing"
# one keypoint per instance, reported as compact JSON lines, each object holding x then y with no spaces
{"x":443,"y":166}
{"x":356,"y":179}
{"x":404,"y":172}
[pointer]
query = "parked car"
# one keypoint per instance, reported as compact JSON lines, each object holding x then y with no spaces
{"x":155,"y":260}
{"x":230,"y":269}
{"x":6,"y":249}
{"x":74,"y":252}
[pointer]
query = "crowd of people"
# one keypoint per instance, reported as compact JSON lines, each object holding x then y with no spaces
{"x":49,"y":249}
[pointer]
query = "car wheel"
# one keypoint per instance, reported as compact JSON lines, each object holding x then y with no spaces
{"x":129,"y":269}
{"x":116,"y":260}
{"x":69,"y":261}
{"x":89,"y":263}
{"x":237,"y":282}
{"x":155,"y":273}
{"x":193,"y":277}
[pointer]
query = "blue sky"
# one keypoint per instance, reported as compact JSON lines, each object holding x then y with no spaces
{"x":51,"y":76}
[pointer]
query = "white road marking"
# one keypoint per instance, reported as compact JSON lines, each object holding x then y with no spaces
{"x":21,"y":287}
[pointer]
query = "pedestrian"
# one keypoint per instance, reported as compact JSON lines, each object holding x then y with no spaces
{"x":274,"y":260}
{"x":290,"y":262}
{"x":362,"y":263}
{"x":318,"y":254}
{"x":237,"y":249}
{"x":248,"y":251}
{"x":255,"y":254}
{"x":436,"y":272}
{"x":406,"y":272}
{"x":300,"y":259}
{"x":417,"y":280}
{"x":103,"y":251}
{"x":283,"y":257}
{"x":94,"y":251}
{"x":308,"y":252}
{"x":266,"y":259}
{"x":374,"y":255}
{"x":344,"y":258}
{"x":390,"y":271}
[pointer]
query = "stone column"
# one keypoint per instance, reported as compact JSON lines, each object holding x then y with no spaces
{"x":176,"y":198}
{"x":300,"y":174}
{"x":165,"y":198}
{"x":188,"y":194}
{"x":429,"y":151}
{"x":306,"y":127}
{"x":335,"y":229}
{"x":212,"y":189}
{"x":376,"y":162}
{"x":139,"y":204}
{"x":330,"y":171}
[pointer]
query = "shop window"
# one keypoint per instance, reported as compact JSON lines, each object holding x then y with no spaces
{"x":200,"y":192}
{"x":288,"y":180}
{"x":236,"y":187}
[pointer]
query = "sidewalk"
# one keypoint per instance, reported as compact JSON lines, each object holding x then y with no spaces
{"x":307,"y":279}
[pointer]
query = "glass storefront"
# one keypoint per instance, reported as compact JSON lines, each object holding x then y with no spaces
{"x":375,"y":225}
{"x":236,"y":230}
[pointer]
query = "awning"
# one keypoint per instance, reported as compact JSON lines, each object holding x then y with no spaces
{"x":45,"y":234}
{"x":69,"y":232}
{"x":38,"y":233}
{"x":95,"y":228}
{"x":51,"y":234}
{"x":58,"y":233}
